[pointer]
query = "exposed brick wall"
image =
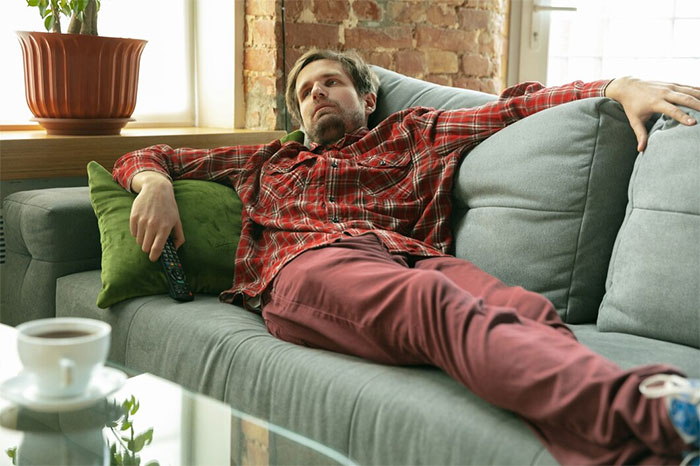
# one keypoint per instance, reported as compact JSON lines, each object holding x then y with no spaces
{"x":459,"y":43}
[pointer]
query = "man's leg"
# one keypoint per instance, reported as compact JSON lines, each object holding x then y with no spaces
{"x":355,"y":298}
{"x":481,"y":285}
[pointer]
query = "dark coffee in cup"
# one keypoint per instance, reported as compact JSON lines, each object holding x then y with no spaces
{"x":63,"y":334}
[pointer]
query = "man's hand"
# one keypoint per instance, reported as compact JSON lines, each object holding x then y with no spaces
{"x":154,"y":214}
{"x":641,"y":99}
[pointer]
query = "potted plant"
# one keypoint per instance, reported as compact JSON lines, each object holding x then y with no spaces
{"x":78,"y":82}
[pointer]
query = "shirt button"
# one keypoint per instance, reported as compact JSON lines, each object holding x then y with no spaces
{"x":382,"y":163}
{"x":334,"y":164}
{"x":331,"y":198}
{"x":335,"y":220}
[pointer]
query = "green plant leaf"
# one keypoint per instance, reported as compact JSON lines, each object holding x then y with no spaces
{"x":43,"y":8}
{"x":132,"y":460}
{"x":113,"y":455}
{"x":48,"y":21}
{"x":126,"y":425}
{"x":142,"y":440}
{"x":136,"y":407}
{"x":32,"y":2}
{"x":126,"y":406}
{"x":12,"y":453}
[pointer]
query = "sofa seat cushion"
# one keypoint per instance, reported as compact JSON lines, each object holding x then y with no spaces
{"x":543,"y":212}
{"x":631,"y":350}
{"x":375,"y":414}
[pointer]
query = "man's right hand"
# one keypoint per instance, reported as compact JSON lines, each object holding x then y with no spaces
{"x":154,"y":214}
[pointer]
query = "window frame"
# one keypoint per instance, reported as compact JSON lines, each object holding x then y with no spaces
{"x":216,"y":103}
{"x":528,"y":57}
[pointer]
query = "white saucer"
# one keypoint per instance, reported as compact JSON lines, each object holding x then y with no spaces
{"x":21,"y":391}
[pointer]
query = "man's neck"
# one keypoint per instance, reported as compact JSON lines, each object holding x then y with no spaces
{"x":342,"y":142}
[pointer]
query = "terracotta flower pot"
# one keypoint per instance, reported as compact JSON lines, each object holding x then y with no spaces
{"x":80,"y":84}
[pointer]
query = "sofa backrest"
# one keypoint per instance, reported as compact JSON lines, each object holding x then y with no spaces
{"x":398,"y":92}
{"x":538,"y":204}
{"x":653,"y":283}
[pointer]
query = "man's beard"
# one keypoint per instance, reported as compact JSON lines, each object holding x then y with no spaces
{"x":332,"y":127}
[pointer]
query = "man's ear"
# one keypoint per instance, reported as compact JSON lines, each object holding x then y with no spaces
{"x":370,"y":103}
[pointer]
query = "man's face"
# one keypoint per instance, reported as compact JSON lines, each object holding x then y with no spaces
{"x":328,"y":102}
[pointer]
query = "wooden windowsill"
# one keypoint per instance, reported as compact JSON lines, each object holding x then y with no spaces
{"x":28,"y":154}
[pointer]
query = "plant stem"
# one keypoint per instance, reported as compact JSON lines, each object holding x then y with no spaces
{"x":75,"y":24}
{"x":119,"y":439}
{"x":90,"y":19}
{"x":56,"y":11}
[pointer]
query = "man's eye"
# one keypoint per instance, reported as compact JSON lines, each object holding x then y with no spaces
{"x":331,"y":82}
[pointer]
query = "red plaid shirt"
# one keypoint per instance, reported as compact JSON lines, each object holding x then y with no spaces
{"x":394,"y":181}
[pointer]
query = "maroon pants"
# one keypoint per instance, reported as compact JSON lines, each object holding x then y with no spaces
{"x":506,"y":344}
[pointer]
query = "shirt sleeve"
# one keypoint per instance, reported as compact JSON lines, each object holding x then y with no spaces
{"x":223,"y":163}
{"x":462,"y":129}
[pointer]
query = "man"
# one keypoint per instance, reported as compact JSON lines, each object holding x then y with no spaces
{"x":344,"y":247}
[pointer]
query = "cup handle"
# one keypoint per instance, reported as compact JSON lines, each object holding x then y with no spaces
{"x":67,"y":372}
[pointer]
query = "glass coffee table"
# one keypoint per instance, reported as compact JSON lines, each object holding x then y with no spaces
{"x":149,"y":420}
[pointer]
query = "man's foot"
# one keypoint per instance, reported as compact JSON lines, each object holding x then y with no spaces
{"x":683,"y":406}
{"x":691,"y":459}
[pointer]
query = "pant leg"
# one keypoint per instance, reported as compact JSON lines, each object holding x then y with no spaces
{"x":494,"y":292}
{"x":355,"y":298}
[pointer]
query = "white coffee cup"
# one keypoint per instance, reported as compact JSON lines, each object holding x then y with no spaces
{"x":61,"y":354}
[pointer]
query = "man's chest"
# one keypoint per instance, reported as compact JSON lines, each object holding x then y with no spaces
{"x":336,"y":176}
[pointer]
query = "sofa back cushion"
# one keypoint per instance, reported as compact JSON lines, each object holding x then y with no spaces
{"x":653,"y":285}
{"x":397,"y":92}
{"x":539,"y":204}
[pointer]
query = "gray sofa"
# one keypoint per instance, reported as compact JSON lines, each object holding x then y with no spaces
{"x":559,"y":203}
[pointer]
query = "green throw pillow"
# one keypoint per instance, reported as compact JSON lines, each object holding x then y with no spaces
{"x":297,"y":135}
{"x":211,"y":220}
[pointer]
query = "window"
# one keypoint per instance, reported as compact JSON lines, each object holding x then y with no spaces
{"x":188,"y":67}
{"x":560,"y":41}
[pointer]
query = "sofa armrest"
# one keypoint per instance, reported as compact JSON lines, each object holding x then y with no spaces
{"x":49,"y":233}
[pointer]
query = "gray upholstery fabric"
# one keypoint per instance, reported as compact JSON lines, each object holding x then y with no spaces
{"x":543,"y":212}
{"x":537,"y":212}
{"x":631,"y":350}
{"x":397,"y":92}
{"x":50,"y":233}
{"x":375,"y":414}
{"x":653,"y":285}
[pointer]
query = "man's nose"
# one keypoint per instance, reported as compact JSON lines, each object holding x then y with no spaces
{"x":318,"y":91}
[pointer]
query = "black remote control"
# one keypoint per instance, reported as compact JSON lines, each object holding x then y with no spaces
{"x":174,"y":273}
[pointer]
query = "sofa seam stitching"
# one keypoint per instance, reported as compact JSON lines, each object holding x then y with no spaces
{"x":354,"y":411}
{"x":128,"y":331}
{"x":584,"y":211}
{"x":610,"y":276}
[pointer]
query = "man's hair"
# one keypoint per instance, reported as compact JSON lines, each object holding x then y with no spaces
{"x":364,"y":79}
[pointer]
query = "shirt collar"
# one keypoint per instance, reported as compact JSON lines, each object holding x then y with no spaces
{"x":348,"y":139}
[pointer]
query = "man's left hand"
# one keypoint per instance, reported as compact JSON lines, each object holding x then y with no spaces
{"x":641,"y":99}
